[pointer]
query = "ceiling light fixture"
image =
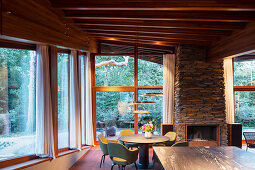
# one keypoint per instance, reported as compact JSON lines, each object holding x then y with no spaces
{"x":142,"y":102}
{"x":142,"y":111}
{"x":152,"y":94}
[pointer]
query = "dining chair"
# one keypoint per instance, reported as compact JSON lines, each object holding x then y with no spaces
{"x":180,"y":144}
{"x":121,"y":155}
{"x":249,"y":139}
{"x":172,"y":139}
{"x":128,"y":132}
{"x":103,"y":142}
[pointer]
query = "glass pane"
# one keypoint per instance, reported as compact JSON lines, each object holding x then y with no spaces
{"x":63,"y":101}
{"x":114,"y":113}
{"x":156,"y":110}
{"x":83,"y":98}
{"x":244,"y":72}
{"x":150,"y":71}
{"x":245,"y":109}
{"x":111,"y":75}
{"x":17,"y":102}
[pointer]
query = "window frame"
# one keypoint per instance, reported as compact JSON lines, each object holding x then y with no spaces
{"x":81,"y":53}
{"x":53,"y":84}
{"x":19,"y":46}
{"x":134,"y":88}
{"x":65,"y":149}
{"x":240,"y":88}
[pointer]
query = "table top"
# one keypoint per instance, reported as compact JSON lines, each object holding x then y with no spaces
{"x":139,"y":138}
{"x":209,"y":158}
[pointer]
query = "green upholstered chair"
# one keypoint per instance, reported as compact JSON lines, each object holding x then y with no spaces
{"x":180,"y":144}
{"x":172,"y":139}
{"x":121,"y":155}
{"x":103,"y":141}
{"x":128,"y":132}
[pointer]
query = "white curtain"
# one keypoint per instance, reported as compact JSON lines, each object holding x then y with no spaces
{"x":44,"y":124}
{"x":75,"y":113}
{"x":168,"y":87}
{"x":229,"y":91}
{"x":89,"y":120}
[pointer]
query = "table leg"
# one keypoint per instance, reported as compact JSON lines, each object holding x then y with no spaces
{"x":143,"y":156}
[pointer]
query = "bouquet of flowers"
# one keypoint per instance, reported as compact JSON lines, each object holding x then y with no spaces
{"x":148,"y":127}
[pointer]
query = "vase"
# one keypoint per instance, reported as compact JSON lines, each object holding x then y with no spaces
{"x":147,"y":135}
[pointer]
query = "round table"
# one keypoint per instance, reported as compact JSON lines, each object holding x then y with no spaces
{"x":143,"y":146}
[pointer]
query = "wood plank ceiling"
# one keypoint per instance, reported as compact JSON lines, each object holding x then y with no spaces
{"x":159,"y":22}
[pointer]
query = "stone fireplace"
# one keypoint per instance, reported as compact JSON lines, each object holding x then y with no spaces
{"x":199,"y":95}
{"x":203,"y":135}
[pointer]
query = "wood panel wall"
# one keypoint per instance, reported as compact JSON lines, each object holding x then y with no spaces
{"x":239,"y":43}
{"x":37,"y":21}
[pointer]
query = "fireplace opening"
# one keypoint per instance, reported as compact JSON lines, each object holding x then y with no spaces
{"x":201,"y":133}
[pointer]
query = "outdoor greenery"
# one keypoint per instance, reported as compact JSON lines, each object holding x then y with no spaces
{"x":17,"y":91}
{"x":110,"y":75}
{"x":244,"y":75}
{"x":112,"y":107}
{"x":63,"y":100}
{"x":63,"y":92}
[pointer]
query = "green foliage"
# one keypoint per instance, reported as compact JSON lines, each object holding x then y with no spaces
{"x":244,"y":75}
{"x":63,"y":92}
{"x":14,"y":75}
{"x":149,"y":74}
{"x":1,"y":126}
{"x":110,"y":75}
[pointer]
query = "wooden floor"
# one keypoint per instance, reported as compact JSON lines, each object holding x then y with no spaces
{"x":92,"y":161}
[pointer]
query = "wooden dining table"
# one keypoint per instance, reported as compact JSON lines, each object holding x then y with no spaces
{"x":209,"y":158}
{"x":143,"y":146}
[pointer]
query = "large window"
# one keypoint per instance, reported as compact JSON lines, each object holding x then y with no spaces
{"x":63,"y":100}
{"x":244,"y":87}
{"x":117,"y":83}
{"x":17,"y":102}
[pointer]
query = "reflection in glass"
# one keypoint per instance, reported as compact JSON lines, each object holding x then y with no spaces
{"x":63,"y":100}
{"x":156,"y":110}
{"x":114,"y":113}
{"x":17,"y":102}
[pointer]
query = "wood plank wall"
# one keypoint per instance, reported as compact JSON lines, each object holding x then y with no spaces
{"x":39,"y":22}
{"x":239,"y":43}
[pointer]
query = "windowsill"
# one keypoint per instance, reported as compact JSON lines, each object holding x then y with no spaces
{"x":66,"y":153}
{"x":86,"y":147}
{"x":28,"y":163}
{"x":41,"y":160}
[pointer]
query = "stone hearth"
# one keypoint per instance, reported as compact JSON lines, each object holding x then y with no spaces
{"x":199,"y":91}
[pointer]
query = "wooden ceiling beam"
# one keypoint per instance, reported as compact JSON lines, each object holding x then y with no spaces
{"x":163,"y":36}
{"x":150,"y":45}
{"x":140,"y":44}
{"x":151,"y":40}
{"x":169,"y":31}
{"x":174,"y":5}
{"x":163,"y":24}
{"x":227,"y":16}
